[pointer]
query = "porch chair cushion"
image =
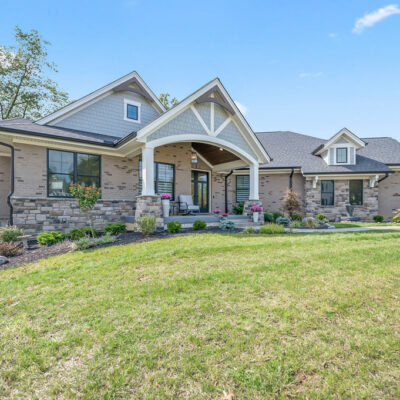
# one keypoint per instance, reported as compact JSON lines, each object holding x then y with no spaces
{"x":186,"y":204}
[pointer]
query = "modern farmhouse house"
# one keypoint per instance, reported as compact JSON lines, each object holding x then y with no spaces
{"x":121,"y":139}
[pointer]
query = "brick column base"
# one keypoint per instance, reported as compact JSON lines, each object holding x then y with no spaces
{"x":150,"y":206}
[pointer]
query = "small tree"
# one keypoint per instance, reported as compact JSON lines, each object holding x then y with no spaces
{"x":290,"y":202}
{"x":166,"y":102}
{"x":87,"y":197}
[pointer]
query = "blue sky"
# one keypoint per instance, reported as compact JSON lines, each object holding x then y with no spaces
{"x":306,"y":66}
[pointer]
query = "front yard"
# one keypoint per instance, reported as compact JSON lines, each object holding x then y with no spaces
{"x":289,"y":316}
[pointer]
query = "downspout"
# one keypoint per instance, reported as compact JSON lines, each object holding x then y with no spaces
{"x":382,"y":179}
{"x":226,"y":190}
{"x":291,"y":179}
{"x":10,"y":220}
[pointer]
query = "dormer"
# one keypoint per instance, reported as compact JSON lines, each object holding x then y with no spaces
{"x":341,"y":149}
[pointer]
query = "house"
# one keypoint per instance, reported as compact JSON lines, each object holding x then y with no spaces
{"x":121,"y":138}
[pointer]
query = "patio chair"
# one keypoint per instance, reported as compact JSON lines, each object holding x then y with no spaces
{"x":186,"y":205}
{"x":350,"y":211}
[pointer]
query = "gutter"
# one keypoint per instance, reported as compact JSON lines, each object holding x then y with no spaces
{"x":226,"y":190}
{"x":10,"y":220}
{"x":291,"y":179}
{"x":382,"y":179}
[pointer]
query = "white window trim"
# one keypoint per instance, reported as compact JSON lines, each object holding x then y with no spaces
{"x":132,"y":103}
{"x":342,"y":146}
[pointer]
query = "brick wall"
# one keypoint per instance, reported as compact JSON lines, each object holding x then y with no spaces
{"x":5,"y":163}
{"x":366,"y":211}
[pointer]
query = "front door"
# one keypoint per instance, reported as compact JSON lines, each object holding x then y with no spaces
{"x":200,"y":190}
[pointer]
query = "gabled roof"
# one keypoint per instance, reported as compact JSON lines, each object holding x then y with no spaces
{"x":359,"y":143}
{"x":215,"y":92}
{"x":295,"y":150}
{"x":131,"y":82}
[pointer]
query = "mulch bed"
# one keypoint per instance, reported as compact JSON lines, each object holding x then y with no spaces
{"x":37,"y":252}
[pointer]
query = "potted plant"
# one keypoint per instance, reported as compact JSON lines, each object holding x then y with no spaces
{"x":256,"y":212}
{"x":217,"y":211}
{"x":165,"y":201}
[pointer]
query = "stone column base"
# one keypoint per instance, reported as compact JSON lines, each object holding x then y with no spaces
{"x":149,"y":206}
{"x":250,"y":203}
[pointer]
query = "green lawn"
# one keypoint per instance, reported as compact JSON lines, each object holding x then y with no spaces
{"x":361,"y":224}
{"x":290,"y":316}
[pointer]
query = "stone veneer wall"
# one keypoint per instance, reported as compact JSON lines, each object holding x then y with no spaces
{"x":149,"y":206}
{"x":366,"y":211}
{"x":389,"y":195}
{"x":45,"y":214}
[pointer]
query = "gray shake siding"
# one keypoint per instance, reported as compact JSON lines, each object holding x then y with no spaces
{"x":106,"y":116}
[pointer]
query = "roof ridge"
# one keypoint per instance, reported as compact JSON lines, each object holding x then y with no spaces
{"x":295,"y":133}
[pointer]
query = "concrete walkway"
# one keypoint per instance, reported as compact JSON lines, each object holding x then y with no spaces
{"x":339,"y":230}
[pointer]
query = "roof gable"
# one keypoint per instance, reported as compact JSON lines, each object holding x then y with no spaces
{"x":343,"y":136}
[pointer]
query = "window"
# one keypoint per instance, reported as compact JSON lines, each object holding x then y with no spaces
{"x":242,"y":188}
{"x":327,"y":193}
{"x":132,"y":111}
{"x":164,"y":178}
{"x":65,"y":167}
{"x":356,"y":192}
{"x":341,"y":155}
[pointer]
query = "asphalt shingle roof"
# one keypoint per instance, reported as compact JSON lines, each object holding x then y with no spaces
{"x":294,"y":150}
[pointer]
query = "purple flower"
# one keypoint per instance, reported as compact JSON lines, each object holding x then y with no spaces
{"x":256,"y":209}
{"x":165,"y":196}
{"x":216,"y":211}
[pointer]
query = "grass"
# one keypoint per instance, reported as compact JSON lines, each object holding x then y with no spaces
{"x":361,"y":224}
{"x":288,"y":316}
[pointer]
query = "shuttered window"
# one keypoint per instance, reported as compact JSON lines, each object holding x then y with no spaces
{"x":242,"y":188}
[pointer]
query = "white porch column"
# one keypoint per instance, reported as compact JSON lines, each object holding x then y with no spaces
{"x":254,"y":182}
{"x":148,"y":171}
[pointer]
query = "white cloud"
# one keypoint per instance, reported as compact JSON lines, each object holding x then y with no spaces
{"x":333,"y":35}
{"x":243,"y":109}
{"x":310,"y":74}
{"x":372,"y":18}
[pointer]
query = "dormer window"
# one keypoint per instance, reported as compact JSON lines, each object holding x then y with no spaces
{"x":341,"y":155}
{"x":132,"y":111}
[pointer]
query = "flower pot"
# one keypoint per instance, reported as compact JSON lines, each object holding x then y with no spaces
{"x":165,"y":207}
{"x":256,"y":215}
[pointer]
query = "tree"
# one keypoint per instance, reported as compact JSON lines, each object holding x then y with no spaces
{"x":290,"y":202}
{"x":25,"y":91}
{"x":87,"y":197}
{"x":166,"y":102}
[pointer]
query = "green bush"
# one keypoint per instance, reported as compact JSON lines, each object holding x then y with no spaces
{"x":10,"y":249}
{"x":79,"y":233}
{"x":268,"y":217}
{"x":311,"y":223}
{"x":276,"y":215}
{"x":378,"y":218}
{"x":249,"y":230}
{"x":88,"y":242}
{"x":50,"y":237}
{"x":238,"y":210}
{"x":272,"y":229}
{"x":283,"y":221}
{"x":146,"y":225}
{"x":10,"y":233}
{"x":226,"y":225}
{"x":321,"y":217}
{"x":115,"y":229}
{"x":298,"y":224}
{"x":174,"y":227}
{"x":297,"y":217}
{"x":199,"y":225}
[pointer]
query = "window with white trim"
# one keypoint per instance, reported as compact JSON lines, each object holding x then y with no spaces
{"x":131,"y":111}
{"x":242,"y":188}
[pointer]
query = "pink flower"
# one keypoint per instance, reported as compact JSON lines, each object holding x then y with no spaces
{"x":256,"y":209}
{"x":225,"y":214}
{"x":216,"y":211}
{"x":165,"y":196}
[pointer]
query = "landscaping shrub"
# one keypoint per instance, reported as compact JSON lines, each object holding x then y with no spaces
{"x":378,"y":218}
{"x":174,"y":227}
{"x":9,"y":249}
{"x":226,"y":225}
{"x":311,"y":223}
{"x":272,"y":228}
{"x":199,"y":225}
{"x":396,"y":218}
{"x":298,"y":224}
{"x":321,"y":217}
{"x":146,"y":225}
{"x":276,"y":215}
{"x":79,"y":233}
{"x":249,"y":230}
{"x":268,"y":217}
{"x":283,"y":221}
{"x":88,"y":242}
{"x":51,"y":237}
{"x":297,"y":217}
{"x":114,"y":229}
{"x":10,"y":233}
{"x":290,"y":202}
{"x":238,"y":210}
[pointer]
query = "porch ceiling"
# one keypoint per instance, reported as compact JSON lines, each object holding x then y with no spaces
{"x":213,"y":154}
